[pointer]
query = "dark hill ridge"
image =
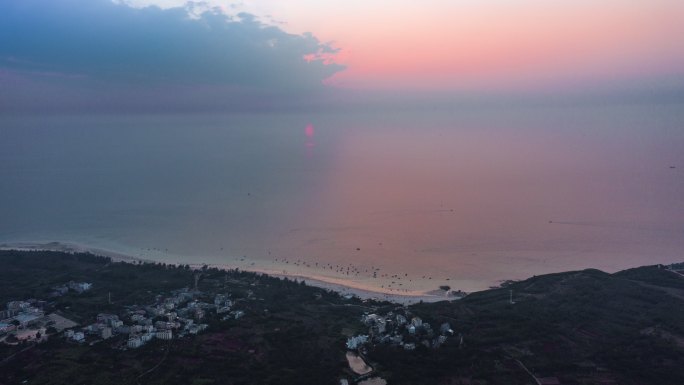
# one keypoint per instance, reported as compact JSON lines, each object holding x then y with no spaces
{"x":581,"y":327}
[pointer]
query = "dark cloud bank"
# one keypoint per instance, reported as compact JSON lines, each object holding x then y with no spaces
{"x":96,"y":55}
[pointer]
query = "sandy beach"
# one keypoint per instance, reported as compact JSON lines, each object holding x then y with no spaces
{"x":346,"y":287}
{"x":342,"y":286}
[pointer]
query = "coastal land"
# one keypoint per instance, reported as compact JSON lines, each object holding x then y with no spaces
{"x":341,"y":285}
{"x":78,"y":318}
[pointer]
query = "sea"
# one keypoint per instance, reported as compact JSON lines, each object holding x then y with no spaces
{"x":398,"y":201}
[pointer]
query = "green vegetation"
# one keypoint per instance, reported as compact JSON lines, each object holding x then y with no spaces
{"x":584,"y":327}
{"x":291,"y":333}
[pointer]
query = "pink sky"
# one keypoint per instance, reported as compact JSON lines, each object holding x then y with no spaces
{"x":488,"y":44}
{"x":493,"y":43}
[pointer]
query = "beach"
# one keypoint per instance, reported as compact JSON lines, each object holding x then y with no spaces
{"x":342,"y":286}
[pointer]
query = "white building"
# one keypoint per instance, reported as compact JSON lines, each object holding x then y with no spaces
{"x":370,"y":319}
{"x":26,"y":319}
{"x":380,"y":326}
{"x":78,"y":337}
{"x":165,"y":334}
{"x":116,"y":323}
{"x":237,"y":314}
{"x":376,"y":322}
{"x":80,"y":287}
{"x":218,"y":300}
{"x":18,"y":305}
{"x":134,"y":342}
{"x":356,"y":342}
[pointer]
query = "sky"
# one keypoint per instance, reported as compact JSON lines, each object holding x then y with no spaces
{"x":254,"y":54}
{"x":467,"y":44}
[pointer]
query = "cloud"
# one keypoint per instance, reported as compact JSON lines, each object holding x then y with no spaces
{"x":90,"y":44}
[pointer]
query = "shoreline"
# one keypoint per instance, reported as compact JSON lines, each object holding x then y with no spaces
{"x":346,"y":287}
{"x":343,"y":287}
{"x":71,"y":247}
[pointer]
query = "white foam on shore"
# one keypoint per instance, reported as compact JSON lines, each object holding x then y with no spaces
{"x":342,"y":286}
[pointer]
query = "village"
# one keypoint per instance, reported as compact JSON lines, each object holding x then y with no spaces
{"x":401,"y":329}
{"x":181,"y":313}
{"x":398,"y":328}
{"x":177,"y":314}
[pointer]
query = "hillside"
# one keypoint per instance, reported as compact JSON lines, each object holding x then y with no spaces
{"x":580,"y":327}
{"x":583,"y":327}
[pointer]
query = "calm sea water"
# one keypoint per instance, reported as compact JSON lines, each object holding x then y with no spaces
{"x":464,"y":198}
